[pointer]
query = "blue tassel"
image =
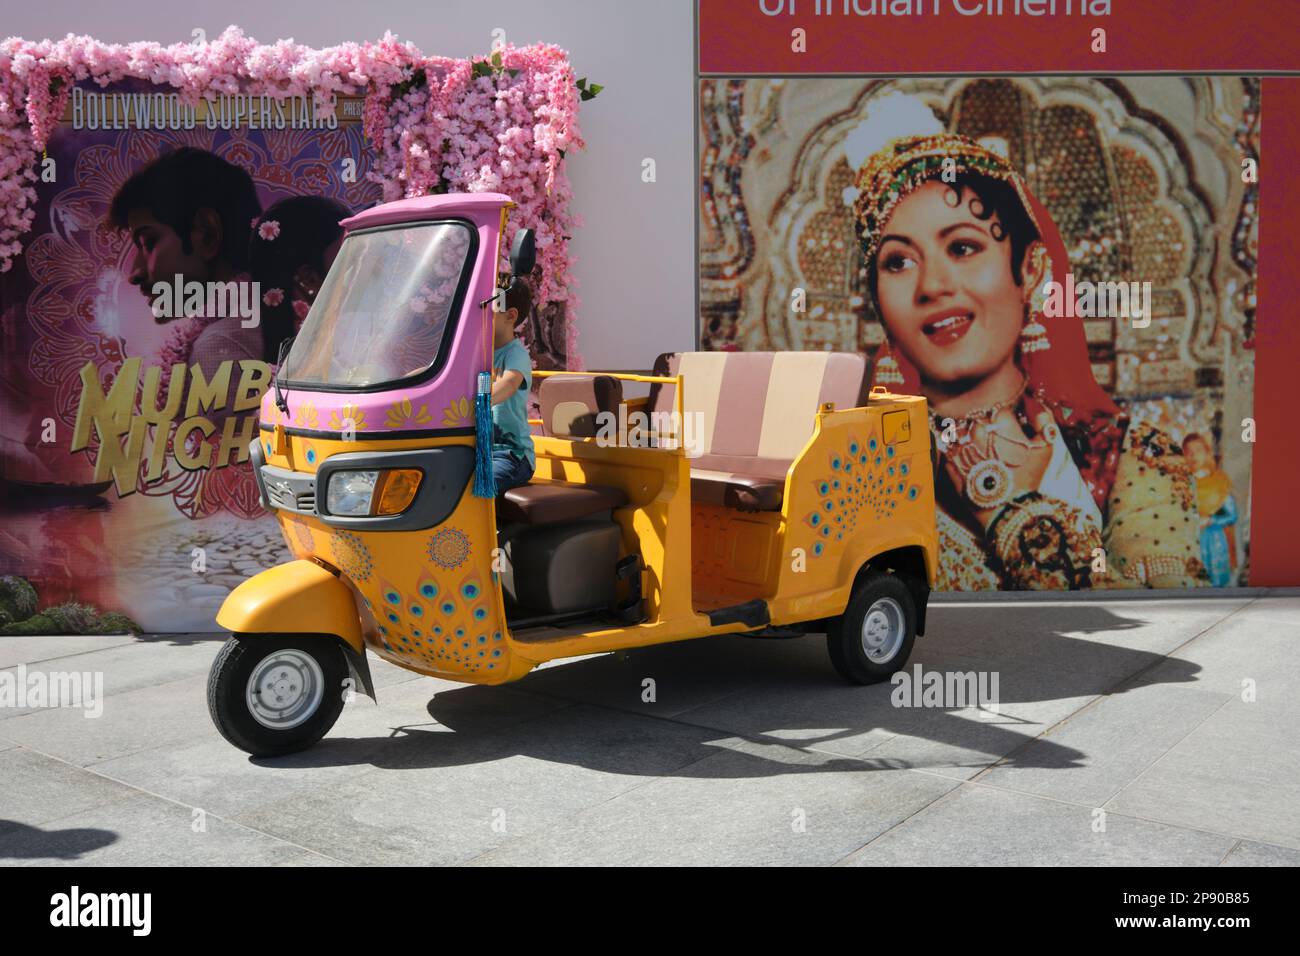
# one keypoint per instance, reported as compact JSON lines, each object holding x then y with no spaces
{"x":485,"y":485}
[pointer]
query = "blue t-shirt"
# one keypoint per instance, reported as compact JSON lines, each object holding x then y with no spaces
{"x":511,"y":416}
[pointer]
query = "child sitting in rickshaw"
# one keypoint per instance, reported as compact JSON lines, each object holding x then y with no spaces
{"x":513,"y":458}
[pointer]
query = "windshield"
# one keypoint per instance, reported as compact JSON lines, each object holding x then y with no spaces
{"x":382,"y":313}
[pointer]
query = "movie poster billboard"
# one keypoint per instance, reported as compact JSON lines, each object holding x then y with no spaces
{"x":175,"y":247}
{"x":1064,"y":266}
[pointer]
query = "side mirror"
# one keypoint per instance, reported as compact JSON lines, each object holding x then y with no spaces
{"x":523,"y":253}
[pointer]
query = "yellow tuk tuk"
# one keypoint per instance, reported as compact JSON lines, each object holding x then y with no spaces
{"x":746,"y":492}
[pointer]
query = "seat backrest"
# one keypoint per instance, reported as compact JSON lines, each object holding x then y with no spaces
{"x":570,"y":403}
{"x":759,"y":404}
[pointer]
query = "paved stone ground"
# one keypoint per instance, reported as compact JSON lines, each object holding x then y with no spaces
{"x":1122,"y":737}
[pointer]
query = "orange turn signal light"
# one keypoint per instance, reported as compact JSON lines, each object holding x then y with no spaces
{"x":397,"y":490}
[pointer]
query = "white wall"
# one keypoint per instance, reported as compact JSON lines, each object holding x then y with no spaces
{"x":635,"y":253}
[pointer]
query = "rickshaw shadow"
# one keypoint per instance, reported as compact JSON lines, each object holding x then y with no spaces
{"x":739,"y":694}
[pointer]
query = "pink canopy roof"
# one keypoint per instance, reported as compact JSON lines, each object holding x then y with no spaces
{"x":478,"y":207}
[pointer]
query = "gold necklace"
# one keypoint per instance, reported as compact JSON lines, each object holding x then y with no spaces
{"x":987,"y":480}
{"x":987,"y":414}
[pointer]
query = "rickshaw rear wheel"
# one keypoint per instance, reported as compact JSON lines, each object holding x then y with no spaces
{"x":272,"y":695}
{"x":873,"y":638}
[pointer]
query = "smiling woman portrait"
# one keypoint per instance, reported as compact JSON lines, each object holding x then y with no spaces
{"x":1041,"y":480}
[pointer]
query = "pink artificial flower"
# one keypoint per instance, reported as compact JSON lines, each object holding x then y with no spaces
{"x":272,"y":297}
{"x":301,"y":308}
{"x":269,"y":230}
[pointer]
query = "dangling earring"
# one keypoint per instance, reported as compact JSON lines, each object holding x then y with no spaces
{"x":1033,"y":336}
{"x":887,"y":370}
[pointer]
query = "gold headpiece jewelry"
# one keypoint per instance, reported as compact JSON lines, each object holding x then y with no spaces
{"x":890,"y":174}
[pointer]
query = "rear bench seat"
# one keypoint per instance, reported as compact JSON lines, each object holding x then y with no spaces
{"x":757,"y":410}
{"x":570,"y":404}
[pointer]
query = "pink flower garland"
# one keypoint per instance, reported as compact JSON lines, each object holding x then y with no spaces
{"x":453,"y":132}
{"x":505,"y":132}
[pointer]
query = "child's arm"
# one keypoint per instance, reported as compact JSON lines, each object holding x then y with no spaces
{"x":505,"y":384}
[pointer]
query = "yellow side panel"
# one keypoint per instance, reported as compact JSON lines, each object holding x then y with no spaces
{"x":732,"y":554}
{"x":862,"y":486}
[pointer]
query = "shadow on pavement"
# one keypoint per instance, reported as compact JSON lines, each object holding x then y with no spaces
{"x":781,"y":692}
{"x":18,"y":841}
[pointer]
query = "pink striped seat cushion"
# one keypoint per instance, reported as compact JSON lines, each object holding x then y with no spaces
{"x":751,"y":413}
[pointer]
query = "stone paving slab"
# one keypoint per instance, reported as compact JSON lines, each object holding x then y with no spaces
{"x":1276,"y":609}
{"x":1112,"y":742}
{"x":145,"y":831}
{"x":1238,"y":772}
{"x":748,"y":804}
{"x":686,"y":674}
{"x":144,"y":719}
{"x":38,"y":789}
{"x":1248,"y":853}
{"x":15,"y":650}
{"x":209,"y":773}
{"x":982,"y":826}
{"x":1244,"y":653}
{"x":444,"y":798}
{"x":1044,"y":630}
{"x":124,"y":667}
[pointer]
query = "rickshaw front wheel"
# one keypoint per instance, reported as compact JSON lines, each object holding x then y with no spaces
{"x":272,"y":695}
{"x":873,"y":638}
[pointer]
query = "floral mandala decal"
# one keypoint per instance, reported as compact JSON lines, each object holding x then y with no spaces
{"x":351,"y":555}
{"x":303,"y":534}
{"x":449,"y":548}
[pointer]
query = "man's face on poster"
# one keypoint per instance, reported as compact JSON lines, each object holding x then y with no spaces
{"x":159,"y":255}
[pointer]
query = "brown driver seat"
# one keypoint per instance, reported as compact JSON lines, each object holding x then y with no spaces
{"x":570,"y":405}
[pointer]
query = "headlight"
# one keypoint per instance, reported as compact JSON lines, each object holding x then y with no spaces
{"x":350,"y":492}
{"x":372,"y":493}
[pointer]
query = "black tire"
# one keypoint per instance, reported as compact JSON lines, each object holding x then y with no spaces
{"x":845,"y":639}
{"x":239,"y":660}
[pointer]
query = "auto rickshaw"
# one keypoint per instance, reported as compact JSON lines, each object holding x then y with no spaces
{"x":748,"y":493}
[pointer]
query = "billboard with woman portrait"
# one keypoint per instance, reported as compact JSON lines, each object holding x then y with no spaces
{"x":1063,"y":266}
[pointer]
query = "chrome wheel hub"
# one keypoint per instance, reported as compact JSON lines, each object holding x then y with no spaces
{"x":883,"y":629}
{"x":285,"y":689}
